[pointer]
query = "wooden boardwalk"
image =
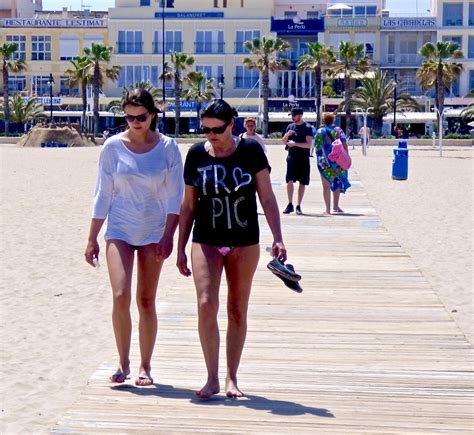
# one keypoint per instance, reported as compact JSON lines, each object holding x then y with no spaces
{"x":366,"y":348}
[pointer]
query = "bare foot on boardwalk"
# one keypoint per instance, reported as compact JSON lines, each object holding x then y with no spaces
{"x":144,"y":379}
{"x":120,"y":376}
{"x":231,"y":389}
{"x":338,"y":210}
{"x":326,"y":213}
{"x":211,"y":388}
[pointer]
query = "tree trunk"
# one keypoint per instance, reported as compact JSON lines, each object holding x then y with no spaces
{"x":84,"y":105}
{"x":440,"y":90}
{"x":177,"y":104}
{"x":6,"y":100}
{"x":265,"y":95}
{"x":96,"y":85}
{"x":347,"y":100}
{"x":319,"y":89}
{"x":198,"y":111}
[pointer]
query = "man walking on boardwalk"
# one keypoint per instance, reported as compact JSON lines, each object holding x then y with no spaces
{"x":298,"y":140}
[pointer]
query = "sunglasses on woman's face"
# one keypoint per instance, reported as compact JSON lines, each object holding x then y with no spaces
{"x":215,"y":130}
{"x":140,"y":118}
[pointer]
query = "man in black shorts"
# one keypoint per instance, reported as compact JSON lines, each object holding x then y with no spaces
{"x":298,"y":140}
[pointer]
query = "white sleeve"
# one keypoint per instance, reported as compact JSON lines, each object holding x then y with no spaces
{"x":104,"y":185}
{"x":174,"y":180}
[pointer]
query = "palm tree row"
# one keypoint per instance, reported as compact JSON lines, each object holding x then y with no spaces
{"x":438,"y":71}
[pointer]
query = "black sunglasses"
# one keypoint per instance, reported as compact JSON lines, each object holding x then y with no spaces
{"x":140,"y":118}
{"x":215,"y":130}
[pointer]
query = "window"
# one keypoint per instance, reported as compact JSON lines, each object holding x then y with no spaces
{"x":359,"y":11}
{"x":368,"y":41}
{"x":452,"y":14}
{"x":131,"y":74}
{"x":289,"y":15}
{"x":245,"y":78}
{"x":456,"y":39}
{"x":40,"y":47}
{"x":130,"y":42}
{"x":173,"y":41}
{"x":144,"y":2}
{"x":371,"y":11}
{"x":312,"y":15}
{"x":68,"y":47}
{"x":336,"y":38}
{"x":470,"y":47}
{"x":241,"y":36}
{"x":16,"y":83}
{"x":64,"y":87}
{"x":20,"y":42}
{"x":211,"y":71}
{"x":210,"y":42}
{"x":89,"y":39}
{"x":471,"y":80}
{"x":40,"y":86}
{"x":471,"y":14}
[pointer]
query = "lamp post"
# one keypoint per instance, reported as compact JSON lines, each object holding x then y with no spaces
{"x":163,"y":65}
{"x":440,"y":130}
{"x":395,"y":106}
{"x":50,"y":86}
{"x":221,"y":86}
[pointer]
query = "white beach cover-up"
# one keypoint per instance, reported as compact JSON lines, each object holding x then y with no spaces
{"x":136,"y":192}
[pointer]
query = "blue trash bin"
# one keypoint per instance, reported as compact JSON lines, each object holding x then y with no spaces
{"x":400,"y":161}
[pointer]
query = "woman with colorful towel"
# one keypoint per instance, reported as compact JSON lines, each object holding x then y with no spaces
{"x":333,"y":176}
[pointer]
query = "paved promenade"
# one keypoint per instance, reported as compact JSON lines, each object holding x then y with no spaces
{"x":366,"y":348}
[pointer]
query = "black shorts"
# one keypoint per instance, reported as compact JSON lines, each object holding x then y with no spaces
{"x":298,"y":169}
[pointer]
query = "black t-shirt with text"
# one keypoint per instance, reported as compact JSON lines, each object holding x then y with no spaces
{"x":226,"y":210}
{"x":301,"y":131}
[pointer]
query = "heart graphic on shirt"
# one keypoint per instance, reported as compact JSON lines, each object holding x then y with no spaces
{"x":240,"y":179}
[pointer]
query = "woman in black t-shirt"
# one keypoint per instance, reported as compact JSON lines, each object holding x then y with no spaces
{"x":222,"y":176}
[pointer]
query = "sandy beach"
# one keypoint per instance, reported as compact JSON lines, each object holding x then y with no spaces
{"x":55,"y":309}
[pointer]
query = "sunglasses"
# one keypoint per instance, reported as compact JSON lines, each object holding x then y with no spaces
{"x":215,"y":130}
{"x":140,"y":118}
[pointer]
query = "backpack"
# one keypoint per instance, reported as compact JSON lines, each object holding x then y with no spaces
{"x":339,"y":154}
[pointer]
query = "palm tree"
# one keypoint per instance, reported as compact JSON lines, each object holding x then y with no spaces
{"x":78,"y":76}
{"x":22,"y":112}
{"x":350,"y":62}
{"x":99,"y":57}
{"x":200,"y":90}
{"x":153,"y":90}
{"x":266,"y":60}
{"x":467,"y":113}
{"x":438,"y":70}
{"x":318,"y":59}
{"x":7,"y":50}
{"x":180,"y":63}
{"x":377,"y":94}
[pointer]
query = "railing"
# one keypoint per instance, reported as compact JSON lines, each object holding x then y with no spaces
{"x":129,"y":47}
{"x":169,"y":46}
{"x":209,"y":47}
{"x":403,"y":59}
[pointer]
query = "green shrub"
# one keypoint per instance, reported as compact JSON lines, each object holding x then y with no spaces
{"x":275,"y":135}
{"x":458,"y":136}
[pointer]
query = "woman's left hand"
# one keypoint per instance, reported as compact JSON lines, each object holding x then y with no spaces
{"x":279,"y":251}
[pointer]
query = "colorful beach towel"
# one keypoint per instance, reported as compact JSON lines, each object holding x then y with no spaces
{"x":331,"y":171}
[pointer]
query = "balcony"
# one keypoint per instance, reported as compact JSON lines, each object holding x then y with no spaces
{"x":209,"y":47}
{"x":129,"y":47}
{"x":404,"y":59}
{"x":169,"y":46}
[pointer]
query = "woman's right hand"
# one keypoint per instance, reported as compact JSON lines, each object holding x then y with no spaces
{"x":182,"y":264}
{"x":92,"y":251}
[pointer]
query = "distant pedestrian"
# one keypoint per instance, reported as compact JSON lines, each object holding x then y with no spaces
{"x":364,"y":134}
{"x":298,"y":140}
{"x":250,"y":125}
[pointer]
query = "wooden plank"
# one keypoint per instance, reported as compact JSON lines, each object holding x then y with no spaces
{"x":366,"y":348}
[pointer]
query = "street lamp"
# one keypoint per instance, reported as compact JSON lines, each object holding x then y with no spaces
{"x":440,"y":129}
{"x":221,"y":86}
{"x":50,"y":86}
{"x":395,"y":106}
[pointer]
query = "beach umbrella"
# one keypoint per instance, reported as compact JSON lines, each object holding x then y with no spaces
{"x":339,"y":7}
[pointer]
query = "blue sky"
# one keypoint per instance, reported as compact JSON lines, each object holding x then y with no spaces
{"x":399,"y":7}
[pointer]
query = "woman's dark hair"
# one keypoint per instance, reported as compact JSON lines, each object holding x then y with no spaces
{"x":220,"y":109}
{"x":141,"y":98}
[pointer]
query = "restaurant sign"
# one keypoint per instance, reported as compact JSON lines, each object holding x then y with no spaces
{"x":408,"y":23}
{"x":352,"y":22}
{"x":54,"y":22}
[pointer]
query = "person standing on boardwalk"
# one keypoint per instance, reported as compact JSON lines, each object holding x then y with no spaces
{"x":222,"y":176}
{"x":298,"y":140}
{"x":364,"y":133}
{"x":139,"y":190}
{"x":250,"y":125}
{"x":333,"y":177}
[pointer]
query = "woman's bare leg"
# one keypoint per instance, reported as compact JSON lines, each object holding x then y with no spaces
{"x":120,"y":265}
{"x":326,"y":194}
{"x":147,"y":282}
{"x":207,"y":264}
{"x":240,"y":265}
{"x":335,"y":195}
